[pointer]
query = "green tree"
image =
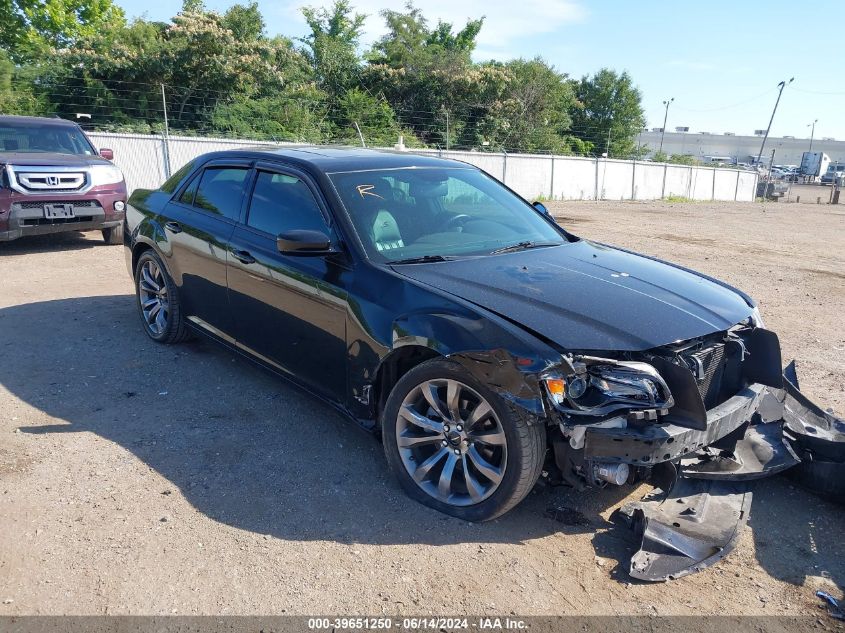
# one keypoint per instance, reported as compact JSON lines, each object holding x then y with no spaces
{"x":428,"y":77}
{"x":534,"y":108}
{"x":332,"y":46}
{"x":244,"y":21}
{"x":201,"y":62}
{"x":30,"y":28}
{"x":609,"y":114}
{"x":16,"y":93}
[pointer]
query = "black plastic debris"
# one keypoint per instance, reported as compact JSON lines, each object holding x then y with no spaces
{"x":693,"y":527}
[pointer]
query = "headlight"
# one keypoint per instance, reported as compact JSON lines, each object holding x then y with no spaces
{"x":601,"y":386}
{"x":105,"y":175}
{"x":756,"y":319}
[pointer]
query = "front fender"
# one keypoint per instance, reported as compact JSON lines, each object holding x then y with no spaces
{"x":495,"y":352}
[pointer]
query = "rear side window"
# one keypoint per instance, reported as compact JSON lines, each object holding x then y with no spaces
{"x":282,"y":203}
{"x":171,"y":183}
{"x":221,"y":191}
{"x":188,"y":195}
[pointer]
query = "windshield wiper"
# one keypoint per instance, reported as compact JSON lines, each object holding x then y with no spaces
{"x":422,"y":260}
{"x":521,"y":246}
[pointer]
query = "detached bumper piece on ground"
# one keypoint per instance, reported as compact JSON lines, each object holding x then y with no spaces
{"x":695,"y":521}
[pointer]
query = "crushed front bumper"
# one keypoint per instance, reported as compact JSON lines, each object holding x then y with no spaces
{"x":702,"y":477}
{"x":655,"y":443}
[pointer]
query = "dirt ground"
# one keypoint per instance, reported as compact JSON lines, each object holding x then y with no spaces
{"x":141,"y":479}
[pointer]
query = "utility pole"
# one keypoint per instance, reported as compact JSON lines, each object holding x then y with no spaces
{"x":665,"y":118}
{"x":607,"y":149}
{"x":812,"y":133}
{"x":447,"y":130}
{"x":361,"y":136}
{"x":166,"y":134}
{"x":781,"y":85}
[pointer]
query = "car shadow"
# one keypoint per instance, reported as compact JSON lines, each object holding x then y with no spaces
{"x":66,"y":241}
{"x":243,"y":447}
{"x":248,"y":450}
{"x":797,"y":535}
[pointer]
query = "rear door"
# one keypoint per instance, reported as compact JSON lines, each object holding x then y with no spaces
{"x":290,"y":311}
{"x":199,"y":222}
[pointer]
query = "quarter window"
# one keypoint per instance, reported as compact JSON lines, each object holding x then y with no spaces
{"x":282,"y":203}
{"x":221,"y":190}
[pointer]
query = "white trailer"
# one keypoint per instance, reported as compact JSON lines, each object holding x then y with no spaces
{"x":814,"y":164}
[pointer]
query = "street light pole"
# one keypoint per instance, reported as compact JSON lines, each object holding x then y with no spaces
{"x":812,"y":133}
{"x":665,"y":118}
{"x":781,"y":85}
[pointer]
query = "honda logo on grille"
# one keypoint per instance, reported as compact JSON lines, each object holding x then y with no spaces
{"x":52,"y":180}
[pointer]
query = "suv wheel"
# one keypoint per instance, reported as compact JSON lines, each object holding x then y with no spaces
{"x":158,"y":301}
{"x":113,"y":235}
{"x":455,"y":446}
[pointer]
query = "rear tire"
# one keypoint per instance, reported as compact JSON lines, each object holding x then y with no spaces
{"x":113,"y":235}
{"x":158,"y":301}
{"x":456,"y":446}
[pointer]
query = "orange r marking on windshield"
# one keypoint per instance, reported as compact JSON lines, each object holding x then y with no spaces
{"x":367,"y":190}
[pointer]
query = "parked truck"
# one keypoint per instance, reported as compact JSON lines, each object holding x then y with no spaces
{"x":813,"y":165}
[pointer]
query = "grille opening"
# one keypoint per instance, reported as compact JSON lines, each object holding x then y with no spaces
{"x":77,"y":204}
{"x":718,"y":372}
{"x":45,"y":221}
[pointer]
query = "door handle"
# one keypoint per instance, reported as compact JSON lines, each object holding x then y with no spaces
{"x":244,"y":257}
{"x":173,"y":227}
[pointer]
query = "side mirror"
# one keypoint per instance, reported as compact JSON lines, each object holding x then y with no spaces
{"x":304,"y":243}
{"x":540,"y":207}
{"x":106,"y":153}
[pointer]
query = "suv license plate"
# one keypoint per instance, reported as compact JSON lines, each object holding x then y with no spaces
{"x":56,"y":211}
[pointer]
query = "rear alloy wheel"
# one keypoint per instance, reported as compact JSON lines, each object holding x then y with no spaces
{"x":158,"y":301}
{"x":456,"y":447}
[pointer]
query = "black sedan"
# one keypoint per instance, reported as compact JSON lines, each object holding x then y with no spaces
{"x":430,"y":303}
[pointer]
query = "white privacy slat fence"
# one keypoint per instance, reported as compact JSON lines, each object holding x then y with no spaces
{"x":146,"y":161}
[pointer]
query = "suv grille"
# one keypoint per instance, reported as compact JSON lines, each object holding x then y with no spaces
{"x":77,"y":204}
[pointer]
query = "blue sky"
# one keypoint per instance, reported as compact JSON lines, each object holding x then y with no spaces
{"x":720,"y":60}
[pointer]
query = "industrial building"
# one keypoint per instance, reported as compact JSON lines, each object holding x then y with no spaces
{"x":702,"y":145}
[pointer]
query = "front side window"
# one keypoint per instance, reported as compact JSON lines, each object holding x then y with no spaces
{"x":31,"y":138}
{"x":282,"y":203}
{"x":418,"y":212}
{"x":221,"y":191}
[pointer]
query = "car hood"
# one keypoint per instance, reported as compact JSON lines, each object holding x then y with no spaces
{"x":586,"y":296}
{"x":47,"y":159}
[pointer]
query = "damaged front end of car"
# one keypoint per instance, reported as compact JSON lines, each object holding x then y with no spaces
{"x":698,"y":419}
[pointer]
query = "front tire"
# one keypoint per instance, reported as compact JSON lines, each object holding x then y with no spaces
{"x":158,"y":301}
{"x":455,"y":446}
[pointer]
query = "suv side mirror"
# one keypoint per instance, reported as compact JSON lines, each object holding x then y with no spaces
{"x":540,"y":207}
{"x":106,"y":153}
{"x":304,"y":243}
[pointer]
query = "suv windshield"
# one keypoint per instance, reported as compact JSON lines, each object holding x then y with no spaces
{"x":31,"y":138}
{"x":418,"y":213}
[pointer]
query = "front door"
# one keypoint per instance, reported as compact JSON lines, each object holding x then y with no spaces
{"x":290,"y":311}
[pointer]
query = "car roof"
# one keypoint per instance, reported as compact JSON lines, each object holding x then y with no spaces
{"x":36,"y":120}
{"x":332,"y":159}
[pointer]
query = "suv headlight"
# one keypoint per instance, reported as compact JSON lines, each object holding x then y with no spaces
{"x":601,"y":386}
{"x":756,"y":319}
{"x":105,"y":175}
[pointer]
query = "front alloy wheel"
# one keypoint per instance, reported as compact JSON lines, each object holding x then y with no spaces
{"x":457,"y":446}
{"x":451,"y":442}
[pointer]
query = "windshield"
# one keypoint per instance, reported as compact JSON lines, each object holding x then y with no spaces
{"x":34,"y":138}
{"x":414,"y":213}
